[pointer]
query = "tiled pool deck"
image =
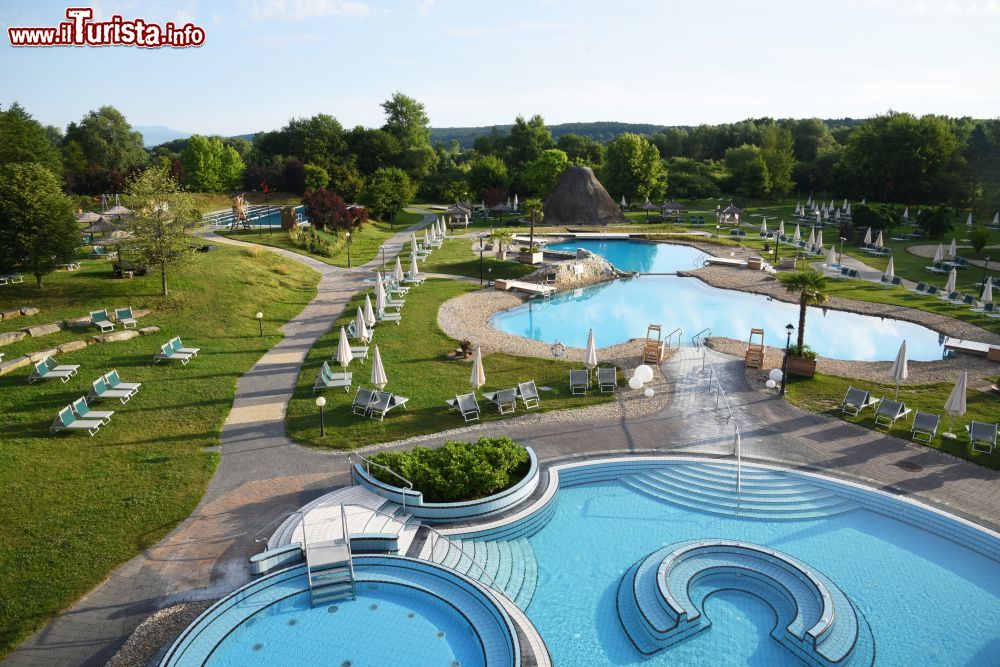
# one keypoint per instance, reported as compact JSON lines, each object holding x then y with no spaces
{"x":263,"y":475}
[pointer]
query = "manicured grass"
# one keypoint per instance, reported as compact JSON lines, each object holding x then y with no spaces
{"x":455,"y":257}
{"x":824,"y":393}
{"x":365,"y":243}
{"x":414,"y":355}
{"x":76,"y":507}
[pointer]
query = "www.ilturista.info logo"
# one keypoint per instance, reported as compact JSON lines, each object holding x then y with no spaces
{"x":80,"y":30}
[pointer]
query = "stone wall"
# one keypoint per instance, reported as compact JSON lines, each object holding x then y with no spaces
{"x":585,"y":269}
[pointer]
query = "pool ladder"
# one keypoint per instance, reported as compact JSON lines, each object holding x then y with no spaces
{"x":329,"y":563}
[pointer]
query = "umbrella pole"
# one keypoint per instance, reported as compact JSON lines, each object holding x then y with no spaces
{"x":951,"y":423}
{"x":897,"y":392}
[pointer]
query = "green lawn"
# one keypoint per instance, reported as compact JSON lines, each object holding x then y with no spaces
{"x":76,"y":507}
{"x":414,"y":355}
{"x":365,"y":243}
{"x":824,"y":393}
{"x":455,"y":257}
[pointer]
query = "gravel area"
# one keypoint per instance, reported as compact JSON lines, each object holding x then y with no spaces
{"x":929,"y":250}
{"x":156,"y":633}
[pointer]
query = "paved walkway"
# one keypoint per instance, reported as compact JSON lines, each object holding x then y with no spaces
{"x":263,"y":476}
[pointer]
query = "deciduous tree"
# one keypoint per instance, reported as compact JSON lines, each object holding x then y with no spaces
{"x":633,"y":168}
{"x":387,"y":192}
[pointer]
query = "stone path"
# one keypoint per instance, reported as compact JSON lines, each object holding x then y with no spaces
{"x":263,"y":476}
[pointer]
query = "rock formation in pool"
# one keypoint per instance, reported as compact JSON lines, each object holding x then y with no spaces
{"x":580,"y":199}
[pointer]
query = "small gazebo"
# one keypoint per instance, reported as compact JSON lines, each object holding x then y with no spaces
{"x":731,"y":215}
{"x":671,"y":209}
{"x":458,"y":213}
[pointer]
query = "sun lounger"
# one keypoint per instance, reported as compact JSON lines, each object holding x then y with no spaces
{"x":327,"y":379}
{"x":67,"y":421}
{"x":100,"y":319}
{"x":70,"y":266}
{"x":967,"y":300}
{"x":607,"y":380}
{"x":921,"y":288}
{"x":925,"y":426}
{"x":54,"y":366}
{"x":362,"y":401}
{"x":83,"y":411}
{"x":856,"y":400}
{"x":932,"y":290}
{"x":179,"y":347}
{"x":170,"y":354}
{"x":579,"y":382}
{"x":383,"y":402}
{"x":114,"y":382}
{"x":390,"y":317}
{"x":937,"y":269}
{"x":47,"y":369}
{"x":889,"y":411}
{"x":11,"y":279}
{"x":505,"y":399}
{"x":465,"y":404}
{"x":951,"y":296}
{"x":982,"y":436}
{"x":101,"y":391}
{"x":987,"y":308}
{"x":395,"y":303}
{"x":528,"y":394}
{"x":125,"y":317}
{"x":409,"y":279}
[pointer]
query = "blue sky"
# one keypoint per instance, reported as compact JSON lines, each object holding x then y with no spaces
{"x":481,"y":63}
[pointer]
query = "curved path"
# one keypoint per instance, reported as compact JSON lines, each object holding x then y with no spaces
{"x":263,"y":476}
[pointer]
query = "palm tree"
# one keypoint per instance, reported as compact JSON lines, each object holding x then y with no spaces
{"x":810,"y":285}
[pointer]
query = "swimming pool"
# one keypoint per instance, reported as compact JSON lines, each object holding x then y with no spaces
{"x":638,"y":256}
{"x":263,"y":216}
{"x":620,"y":310}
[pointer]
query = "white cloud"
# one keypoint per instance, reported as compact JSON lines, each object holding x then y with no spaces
{"x":511,"y":29}
{"x":424,"y":6}
{"x":303,"y":9}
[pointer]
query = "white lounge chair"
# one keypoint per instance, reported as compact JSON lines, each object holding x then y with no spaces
{"x":67,"y":421}
{"x":179,"y":347}
{"x":579,"y":382}
{"x":467,"y":405}
{"x":114,"y":382}
{"x":528,"y":394}
{"x":83,"y":411}
{"x":100,"y":319}
{"x":42,"y":371}
{"x":168,"y":353}
{"x":925,"y":425}
{"x":327,"y":379}
{"x":607,"y":379}
{"x":390,"y":317}
{"x":101,"y":391}
{"x":856,"y":400}
{"x":362,"y":401}
{"x":889,"y":411}
{"x":125,"y":317}
{"x":383,"y":402}
{"x":982,"y":437}
{"x":504,"y":399}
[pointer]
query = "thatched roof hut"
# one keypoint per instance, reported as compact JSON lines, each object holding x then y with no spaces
{"x":580,"y":199}
{"x":672,"y":208}
{"x":731,"y":215}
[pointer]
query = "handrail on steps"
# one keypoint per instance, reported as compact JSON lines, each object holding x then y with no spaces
{"x":695,"y":338}
{"x":368,"y":463}
{"x":256,"y":536}
{"x":671,"y":334}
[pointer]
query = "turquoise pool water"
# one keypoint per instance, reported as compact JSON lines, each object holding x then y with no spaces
{"x":266,"y":218}
{"x":637,"y":255}
{"x":621,"y":310}
{"x":928,"y":600}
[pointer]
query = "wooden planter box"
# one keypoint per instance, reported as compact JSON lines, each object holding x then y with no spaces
{"x":529,"y":257}
{"x":802,"y":367}
{"x":502,"y":254}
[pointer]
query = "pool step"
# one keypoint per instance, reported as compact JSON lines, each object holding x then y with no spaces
{"x":509,"y":565}
{"x":761,"y":493}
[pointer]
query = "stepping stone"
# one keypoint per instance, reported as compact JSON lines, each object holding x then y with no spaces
{"x":117,"y":336}
{"x":14,"y":364}
{"x":44,"y":329}
{"x":78,"y":323}
{"x":28,"y":311}
{"x":10,"y":314}
{"x":72,"y":346}
{"x":146,"y":331}
{"x":9,"y":337}
{"x":41,"y":354}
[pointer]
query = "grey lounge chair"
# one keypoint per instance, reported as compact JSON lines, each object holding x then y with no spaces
{"x":115,"y":382}
{"x":528,"y":394}
{"x":607,"y":380}
{"x":467,"y":405}
{"x":579,"y":382}
{"x":383,"y":402}
{"x":925,"y":425}
{"x":390,"y":317}
{"x":505,"y":399}
{"x":327,"y":379}
{"x":67,"y":421}
{"x":982,"y":437}
{"x":101,"y":391}
{"x":41,"y":371}
{"x":856,"y":400}
{"x":125,"y":317}
{"x":889,"y":411}
{"x":100,"y":319}
{"x":179,"y":347}
{"x":53,"y":366}
{"x":170,"y":354}
{"x":83,"y":411}
{"x":362,"y":401}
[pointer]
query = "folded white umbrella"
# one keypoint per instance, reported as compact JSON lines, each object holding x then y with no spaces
{"x":413,"y":265}
{"x":955,"y":405}
{"x":837,"y":216}
{"x":864,"y":201}
{"x":906,"y":213}
{"x":844,"y":205}
{"x":798,"y":235}
{"x":397,"y":273}
{"x":880,"y":241}
{"x":361,"y":328}
{"x":763,"y":226}
{"x":848,"y":212}
{"x":890,"y":269}
{"x":819,"y":238}
{"x":378,"y":377}
{"x":379,"y":297}
{"x":939,"y":253}
{"x":515,"y":201}
{"x":343,"y":349}
{"x":426,"y":238}
{"x":831,"y":257}
{"x":781,"y":228}
{"x":812,"y":236}
{"x":478,"y":377}
{"x":623,"y":202}
{"x":590,"y":357}
{"x":996,"y":218}
{"x":868,"y":236}
{"x":968,"y":221}
{"x":952,"y":279}
{"x":987,"y":296}
{"x":798,"y":208}
{"x":413,"y":240}
{"x":953,"y":249}
{"x":369,"y":312}
{"x":809,"y":201}
{"x":899,"y":370}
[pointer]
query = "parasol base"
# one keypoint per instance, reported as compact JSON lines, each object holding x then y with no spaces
{"x":949,"y":435}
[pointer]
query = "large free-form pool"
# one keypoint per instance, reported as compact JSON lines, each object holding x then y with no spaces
{"x":621,"y":310}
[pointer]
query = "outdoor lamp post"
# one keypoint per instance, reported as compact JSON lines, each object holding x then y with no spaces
{"x":382,"y":248}
{"x":489,"y":276}
{"x":840,"y":260}
{"x":784,"y":363}
{"x":260,"y":322}
{"x":320,"y":402}
{"x":349,"y":251}
{"x":480,"y":261}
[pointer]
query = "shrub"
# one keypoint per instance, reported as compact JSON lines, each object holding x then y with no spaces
{"x":456,"y":470}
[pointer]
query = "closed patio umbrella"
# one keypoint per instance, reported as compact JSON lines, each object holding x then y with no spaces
{"x":798,"y":235}
{"x":831,"y":257}
{"x":844,"y":205}
{"x":868,"y":236}
{"x":848,"y":211}
{"x":343,"y":349}
{"x":819,"y":238}
{"x":906,"y":213}
{"x":426,"y":239}
{"x":955,"y":405}
{"x":369,"y":312}
{"x":763,"y":226}
{"x":880,"y":241}
{"x":953,"y":250}
{"x":890,"y":269}
{"x":798,"y":208}
{"x":968,"y":221}
{"x":987,"y":296}
{"x":939,"y":253}
{"x":952,"y":279}
{"x":899,"y":370}
{"x":360,"y":328}
{"x":590,"y":357}
{"x":624,"y":204}
{"x":413,"y":241}
{"x":379,"y":297}
{"x":378,"y":377}
{"x":397,"y":273}
{"x":413,"y":265}
{"x":812,"y":236}
{"x":515,"y":201}
{"x":781,"y":228}
{"x":996,"y":219}
{"x":478,"y":377}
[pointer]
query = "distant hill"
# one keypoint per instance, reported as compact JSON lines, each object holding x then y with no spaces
{"x":154,"y":135}
{"x":602,"y":131}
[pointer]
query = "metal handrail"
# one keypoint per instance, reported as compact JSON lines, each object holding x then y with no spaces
{"x":369,"y":463}
{"x":256,"y":536}
{"x":694,"y":338}
{"x":671,"y":335}
{"x":739,"y":462}
{"x":350,"y":554}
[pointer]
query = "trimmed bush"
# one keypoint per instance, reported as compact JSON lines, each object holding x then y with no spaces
{"x":456,"y":470}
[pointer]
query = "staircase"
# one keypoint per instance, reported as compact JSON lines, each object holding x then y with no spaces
{"x":328,"y":559}
{"x":508,"y":565}
{"x":762,"y":493}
